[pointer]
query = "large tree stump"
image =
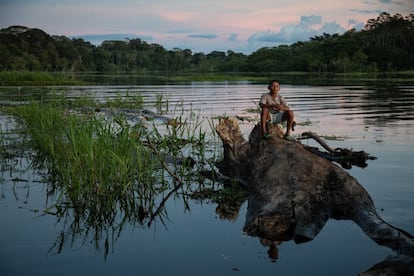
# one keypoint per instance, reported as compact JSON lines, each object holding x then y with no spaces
{"x":293,"y":192}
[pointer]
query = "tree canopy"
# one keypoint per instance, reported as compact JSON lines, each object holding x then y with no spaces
{"x":385,"y":44}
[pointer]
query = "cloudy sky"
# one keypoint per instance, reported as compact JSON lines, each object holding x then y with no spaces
{"x":198,"y":25}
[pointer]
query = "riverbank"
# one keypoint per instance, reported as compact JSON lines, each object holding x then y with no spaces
{"x":27,"y":78}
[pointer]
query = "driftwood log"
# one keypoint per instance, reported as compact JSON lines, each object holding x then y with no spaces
{"x":293,"y":192}
{"x":345,"y":157}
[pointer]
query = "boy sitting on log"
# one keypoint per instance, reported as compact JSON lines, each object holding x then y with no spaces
{"x":275,"y":110}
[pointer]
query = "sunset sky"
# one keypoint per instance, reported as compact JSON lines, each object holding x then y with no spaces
{"x":198,"y":25}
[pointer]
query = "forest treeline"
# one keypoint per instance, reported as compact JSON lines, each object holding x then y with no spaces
{"x":385,"y":44}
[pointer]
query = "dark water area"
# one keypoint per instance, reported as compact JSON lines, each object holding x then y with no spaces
{"x":195,"y":239}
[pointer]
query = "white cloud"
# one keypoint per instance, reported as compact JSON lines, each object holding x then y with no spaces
{"x":199,"y":25}
{"x":309,"y":26}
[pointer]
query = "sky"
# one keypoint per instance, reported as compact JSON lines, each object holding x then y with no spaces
{"x":199,"y":25}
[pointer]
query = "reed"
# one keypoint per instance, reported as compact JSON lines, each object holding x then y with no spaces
{"x":103,"y":171}
{"x":127,"y":101}
{"x":91,"y":156}
{"x":161,"y":104}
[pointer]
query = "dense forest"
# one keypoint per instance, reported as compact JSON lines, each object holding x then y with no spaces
{"x":385,"y":44}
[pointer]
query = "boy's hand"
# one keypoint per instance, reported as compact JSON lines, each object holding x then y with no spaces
{"x":276,"y":106}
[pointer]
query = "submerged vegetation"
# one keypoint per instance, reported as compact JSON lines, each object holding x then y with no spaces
{"x":103,"y":170}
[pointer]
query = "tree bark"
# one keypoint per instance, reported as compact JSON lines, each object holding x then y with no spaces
{"x":293,"y":192}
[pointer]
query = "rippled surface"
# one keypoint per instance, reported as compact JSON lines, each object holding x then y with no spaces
{"x":378,"y":120}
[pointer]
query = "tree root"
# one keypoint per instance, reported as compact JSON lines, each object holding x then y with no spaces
{"x":345,"y":157}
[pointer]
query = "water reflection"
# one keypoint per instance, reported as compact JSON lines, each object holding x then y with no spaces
{"x":95,"y":205}
{"x":100,"y":78}
{"x":272,"y":235}
{"x":388,"y":104}
{"x":273,"y":251}
{"x":101,"y":221}
{"x":376,"y":105}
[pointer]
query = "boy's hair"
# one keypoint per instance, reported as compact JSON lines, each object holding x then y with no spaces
{"x":270,"y":83}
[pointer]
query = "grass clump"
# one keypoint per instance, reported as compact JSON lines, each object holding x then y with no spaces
{"x":85,"y":153}
{"x":91,"y":157}
{"x":35,"y":78}
{"x":103,"y":172}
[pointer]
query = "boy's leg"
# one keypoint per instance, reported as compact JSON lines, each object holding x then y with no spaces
{"x":264,"y":117}
{"x":288,"y":116}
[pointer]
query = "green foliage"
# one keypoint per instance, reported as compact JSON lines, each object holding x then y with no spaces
{"x":102,"y":171}
{"x":385,"y":44}
{"x":92,"y":160}
{"x":40,"y":78}
{"x":80,"y":143}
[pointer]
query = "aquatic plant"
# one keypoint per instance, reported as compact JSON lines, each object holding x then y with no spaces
{"x":104,"y":172}
{"x":161,"y":104}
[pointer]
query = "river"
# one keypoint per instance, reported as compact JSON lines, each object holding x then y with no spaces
{"x":195,"y":240}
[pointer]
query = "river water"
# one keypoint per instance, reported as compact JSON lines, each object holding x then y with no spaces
{"x":195,"y":240}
